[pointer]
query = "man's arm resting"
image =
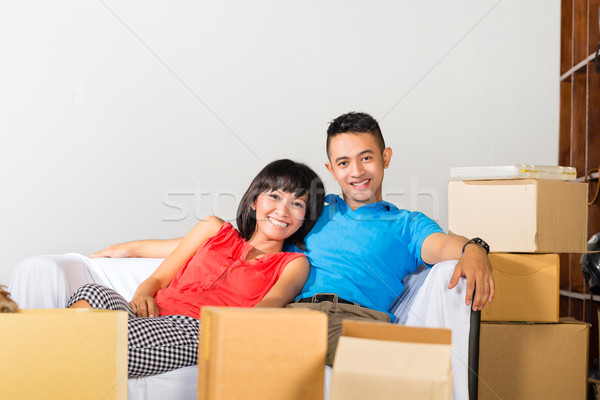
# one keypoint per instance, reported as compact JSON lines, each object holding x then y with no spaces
{"x":139,"y":248}
{"x":473,"y":264}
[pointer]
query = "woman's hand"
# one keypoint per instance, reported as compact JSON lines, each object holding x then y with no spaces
{"x":144,"y":306}
{"x":143,"y":303}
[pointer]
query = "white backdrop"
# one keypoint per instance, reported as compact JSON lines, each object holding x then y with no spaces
{"x":129,"y":119}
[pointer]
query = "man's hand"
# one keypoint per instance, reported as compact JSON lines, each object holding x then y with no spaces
{"x":121,"y":250}
{"x":140,"y":248}
{"x":475,"y":266}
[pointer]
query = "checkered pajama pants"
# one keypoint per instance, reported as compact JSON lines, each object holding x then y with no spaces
{"x":155,"y":345}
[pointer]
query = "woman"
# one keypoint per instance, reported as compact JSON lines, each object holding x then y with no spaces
{"x":215,"y":264}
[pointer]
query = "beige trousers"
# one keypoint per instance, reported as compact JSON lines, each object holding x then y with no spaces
{"x":336,"y":313}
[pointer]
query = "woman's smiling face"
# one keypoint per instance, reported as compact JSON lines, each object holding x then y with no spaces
{"x":279,"y":214}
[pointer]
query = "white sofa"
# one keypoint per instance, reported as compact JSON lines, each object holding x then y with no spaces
{"x":47,"y":281}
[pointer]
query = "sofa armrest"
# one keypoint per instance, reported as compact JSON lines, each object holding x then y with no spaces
{"x":122,"y":274}
{"x":433,"y":305}
{"x":47,"y":281}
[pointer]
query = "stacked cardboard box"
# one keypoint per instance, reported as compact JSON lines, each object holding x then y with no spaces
{"x":533,"y":361}
{"x":594,"y":384}
{"x":527,"y":288}
{"x":525,"y":350}
{"x":521,"y":215}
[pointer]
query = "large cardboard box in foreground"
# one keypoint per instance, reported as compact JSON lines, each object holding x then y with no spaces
{"x":533,"y":361}
{"x":63,"y":354}
{"x":527,"y":288}
{"x":521,"y":215}
{"x":261,"y":353}
{"x":381,"y":361}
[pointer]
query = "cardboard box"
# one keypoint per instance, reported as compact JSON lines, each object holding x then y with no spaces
{"x":527,"y":288}
{"x":261,"y":353}
{"x":533,"y":361}
{"x":63,"y":354}
{"x":521,"y":215}
{"x":378,"y":361}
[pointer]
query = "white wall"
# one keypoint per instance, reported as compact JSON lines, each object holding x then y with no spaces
{"x":108,"y":108}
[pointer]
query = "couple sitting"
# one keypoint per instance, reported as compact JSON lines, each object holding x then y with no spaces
{"x":347,"y":258}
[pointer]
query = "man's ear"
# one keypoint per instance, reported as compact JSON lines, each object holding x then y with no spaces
{"x":330,"y":169}
{"x":387,"y":156}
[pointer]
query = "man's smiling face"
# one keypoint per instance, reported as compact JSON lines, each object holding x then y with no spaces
{"x":357,"y":163}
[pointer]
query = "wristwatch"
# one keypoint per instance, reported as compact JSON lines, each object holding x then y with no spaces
{"x":478,"y":242}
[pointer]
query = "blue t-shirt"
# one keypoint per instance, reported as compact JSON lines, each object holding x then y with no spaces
{"x":363,"y":255}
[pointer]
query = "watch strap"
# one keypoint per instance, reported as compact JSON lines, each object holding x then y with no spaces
{"x":479,"y":242}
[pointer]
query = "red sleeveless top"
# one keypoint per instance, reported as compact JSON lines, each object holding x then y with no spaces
{"x":219,"y":275}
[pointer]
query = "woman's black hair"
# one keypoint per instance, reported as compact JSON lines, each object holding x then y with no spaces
{"x":288,"y":176}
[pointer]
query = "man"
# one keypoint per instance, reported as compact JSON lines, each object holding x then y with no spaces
{"x":362,"y":247}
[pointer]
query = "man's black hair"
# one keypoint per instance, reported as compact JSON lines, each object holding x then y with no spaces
{"x":355,"y":122}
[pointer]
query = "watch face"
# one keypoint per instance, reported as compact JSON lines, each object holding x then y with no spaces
{"x":481,"y":243}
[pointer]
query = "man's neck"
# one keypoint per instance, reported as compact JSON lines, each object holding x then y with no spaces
{"x":354,"y":204}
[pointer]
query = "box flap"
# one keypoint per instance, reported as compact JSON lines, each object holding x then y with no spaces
{"x":393,"y":332}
